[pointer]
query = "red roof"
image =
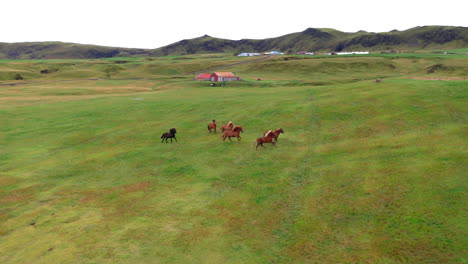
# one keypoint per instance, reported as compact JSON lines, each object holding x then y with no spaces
{"x":203,"y":76}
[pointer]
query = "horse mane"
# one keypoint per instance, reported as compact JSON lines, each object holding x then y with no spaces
{"x":268,"y":133}
{"x":231,"y":123}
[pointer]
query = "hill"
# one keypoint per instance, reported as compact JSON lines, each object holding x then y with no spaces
{"x":311,"y":39}
{"x":61,"y":50}
{"x":328,"y":40}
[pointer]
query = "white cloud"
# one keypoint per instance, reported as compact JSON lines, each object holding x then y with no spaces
{"x":152,"y":24}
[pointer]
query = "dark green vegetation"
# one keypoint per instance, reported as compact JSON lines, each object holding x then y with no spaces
{"x":366,"y":172}
{"x":425,"y":38}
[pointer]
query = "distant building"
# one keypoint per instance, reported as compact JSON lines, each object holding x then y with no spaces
{"x":223,"y":77}
{"x":273,"y":53}
{"x":203,"y":77}
{"x":305,"y":53}
{"x":352,"y":53}
{"x":248,"y":54}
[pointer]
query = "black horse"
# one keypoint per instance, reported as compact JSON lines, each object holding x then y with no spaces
{"x":170,"y":134}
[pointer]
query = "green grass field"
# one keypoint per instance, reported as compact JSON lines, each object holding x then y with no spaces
{"x":366,"y":172}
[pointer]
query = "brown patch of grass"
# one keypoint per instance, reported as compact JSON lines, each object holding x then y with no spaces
{"x":416,"y":250}
{"x":91,"y":196}
{"x":7,"y":180}
{"x":193,"y":236}
{"x":21,"y":195}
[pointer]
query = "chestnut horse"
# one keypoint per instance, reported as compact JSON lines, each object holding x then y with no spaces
{"x":276,"y":133}
{"x":268,"y":138}
{"x":235,"y":132}
{"x":229,"y":126}
{"x":211,"y":126}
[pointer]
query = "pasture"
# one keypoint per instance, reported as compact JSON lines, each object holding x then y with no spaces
{"x":365,"y":172}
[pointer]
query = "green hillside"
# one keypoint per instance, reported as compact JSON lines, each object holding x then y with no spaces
{"x":366,"y":171}
{"x":425,"y":38}
{"x":61,"y":50}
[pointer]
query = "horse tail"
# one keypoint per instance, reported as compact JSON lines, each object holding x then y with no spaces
{"x":208,"y":126}
{"x":163,"y":135}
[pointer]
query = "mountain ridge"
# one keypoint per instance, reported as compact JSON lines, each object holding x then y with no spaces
{"x":311,"y":39}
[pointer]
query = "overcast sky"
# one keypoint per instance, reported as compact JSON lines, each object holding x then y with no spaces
{"x":155,"y":23}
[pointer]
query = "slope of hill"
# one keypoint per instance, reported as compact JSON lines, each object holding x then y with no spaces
{"x":311,"y":39}
{"x":60,"y":50}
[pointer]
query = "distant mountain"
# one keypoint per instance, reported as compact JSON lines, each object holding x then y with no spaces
{"x":328,"y":40}
{"x":311,"y":39}
{"x":60,"y":50}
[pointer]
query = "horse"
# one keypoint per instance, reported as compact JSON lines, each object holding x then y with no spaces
{"x":276,"y":133}
{"x":170,"y":134}
{"x":229,"y":126}
{"x":212,"y":125}
{"x":235,"y":132}
{"x":268,"y":138}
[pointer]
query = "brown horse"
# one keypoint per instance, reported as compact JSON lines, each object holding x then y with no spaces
{"x":268,"y":138}
{"x":229,"y":126}
{"x":276,"y":133}
{"x":211,"y":126}
{"x":235,"y":132}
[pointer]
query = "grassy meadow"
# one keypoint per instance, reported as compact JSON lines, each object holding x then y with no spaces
{"x":365,"y":172}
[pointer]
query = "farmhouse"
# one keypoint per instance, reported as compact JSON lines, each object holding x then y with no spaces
{"x":203,"y":77}
{"x":223,"y":77}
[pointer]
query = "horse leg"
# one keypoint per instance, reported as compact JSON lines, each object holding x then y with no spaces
{"x":175,"y":138}
{"x":230,"y":139}
{"x":162,"y":140}
{"x":258,"y":144}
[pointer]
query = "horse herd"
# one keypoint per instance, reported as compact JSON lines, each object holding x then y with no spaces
{"x":230,"y":130}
